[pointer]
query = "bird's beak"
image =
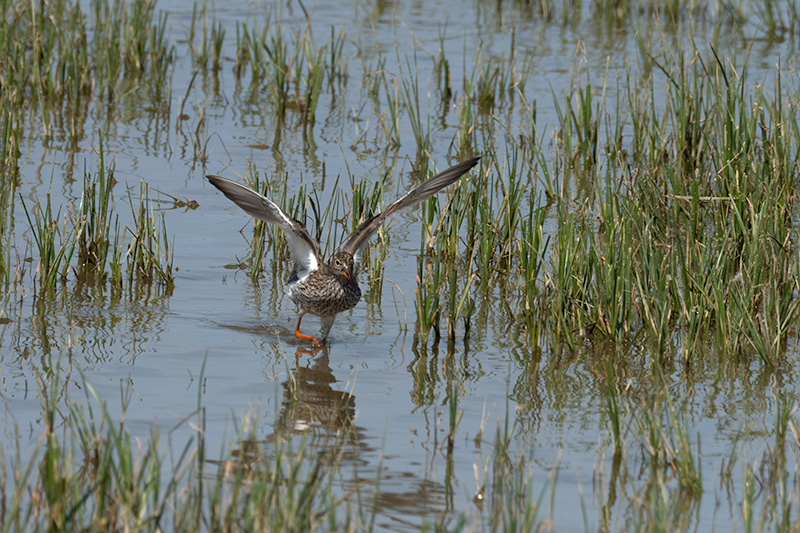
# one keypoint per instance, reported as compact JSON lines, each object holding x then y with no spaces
{"x":347,"y":274}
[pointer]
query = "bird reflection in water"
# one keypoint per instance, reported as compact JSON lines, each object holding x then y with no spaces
{"x":310,"y":401}
{"x":310,"y":406}
{"x":316,"y":417}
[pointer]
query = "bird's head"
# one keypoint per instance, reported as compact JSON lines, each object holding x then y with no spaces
{"x":342,"y":264}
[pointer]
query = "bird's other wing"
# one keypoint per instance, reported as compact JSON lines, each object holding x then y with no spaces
{"x":303,"y":249}
{"x":425,"y":190}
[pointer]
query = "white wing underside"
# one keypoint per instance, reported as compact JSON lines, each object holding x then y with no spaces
{"x":301,"y":251}
{"x":302,"y":248}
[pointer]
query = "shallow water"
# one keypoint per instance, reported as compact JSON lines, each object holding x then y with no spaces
{"x":242,"y":332}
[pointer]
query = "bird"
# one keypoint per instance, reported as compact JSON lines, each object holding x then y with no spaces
{"x":316,"y":287}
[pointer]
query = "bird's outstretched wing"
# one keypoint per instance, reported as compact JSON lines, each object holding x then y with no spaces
{"x":361,"y":235}
{"x":303,"y":249}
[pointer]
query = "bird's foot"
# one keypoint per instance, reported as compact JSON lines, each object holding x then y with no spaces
{"x":310,"y":338}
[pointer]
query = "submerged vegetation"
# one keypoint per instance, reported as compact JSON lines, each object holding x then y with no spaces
{"x":649,"y":224}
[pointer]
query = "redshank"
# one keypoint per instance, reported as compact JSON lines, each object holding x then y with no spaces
{"x":319,"y":288}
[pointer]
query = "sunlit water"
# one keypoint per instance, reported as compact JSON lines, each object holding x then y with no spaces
{"x":241,"y":332}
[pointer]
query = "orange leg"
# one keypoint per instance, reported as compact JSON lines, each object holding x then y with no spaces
{"x":306,"y":337}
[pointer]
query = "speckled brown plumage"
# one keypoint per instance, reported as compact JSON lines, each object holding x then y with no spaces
{"x":328,"y":289}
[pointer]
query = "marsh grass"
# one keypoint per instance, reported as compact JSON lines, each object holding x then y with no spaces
{"x":9,"y":264}
{"x":391,"y":118}
{"x":55,"y":243}
{"x":655,"y":470}
{"x":682,"y":229}
{"x":207,"y":53}
{"x":775,"y":20}
{"x":430,"y":284}
{"x":59,"y":60}
{"x":86,"y":240}
{"x":362,"y":202}
{"x":506,"y":492}
{"x":9,"y":140}
{"x":129,"y":40}
{"x":291,"y":68}
{"x":56,"y":60}
{"x":440,"y":271}
{"x":420,"y":126}
{"x":148,"y":255}
{"x":88,"y":470}
{"x":98,"y":239}
{"x":94,"y":473}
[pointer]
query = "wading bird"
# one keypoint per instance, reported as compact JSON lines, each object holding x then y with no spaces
{"x":319,"y":288}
